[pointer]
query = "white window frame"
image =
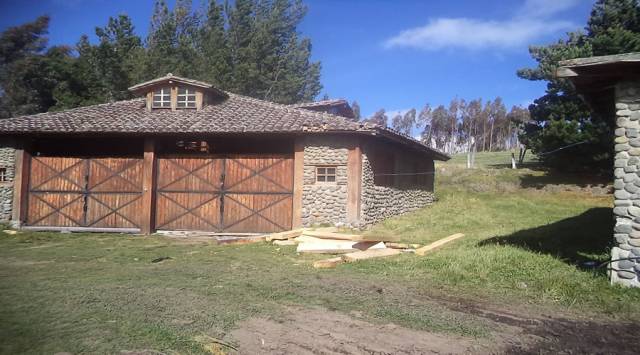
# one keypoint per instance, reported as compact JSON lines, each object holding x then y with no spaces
{"x":187,"y":99}
{"x":4,"y":174}
{"x":324,"y":176}
{"x":164,"y":98}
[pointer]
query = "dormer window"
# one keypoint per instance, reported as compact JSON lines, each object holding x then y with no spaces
{"x":176,"y":93}
{"x":186,"y":98}
{"x":162,"y":98}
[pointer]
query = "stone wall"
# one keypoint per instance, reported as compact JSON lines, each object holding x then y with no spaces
{"x":627,"y":186}
{"x":381,"y":202}
{"x":7,"y":161}
{"x":324,"y":203}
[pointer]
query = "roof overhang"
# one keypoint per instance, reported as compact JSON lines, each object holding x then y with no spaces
{"x":595,"y":78}
{"x":596,"y":74}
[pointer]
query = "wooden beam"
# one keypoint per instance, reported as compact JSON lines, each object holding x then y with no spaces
{"x":437,"y":244}
{"x":354,"y":183}
{"x":149,"y":100}
{"x":199,"y":99}
{"x":369,"y":254}
{"x":148,"y":187}
{"x":174,"y":98}
{"x":21,"y":185}
{"x":298,"y":177}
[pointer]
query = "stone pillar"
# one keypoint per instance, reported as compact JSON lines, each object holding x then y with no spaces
{"x":7,"y":162}
{"x":627,"y":186}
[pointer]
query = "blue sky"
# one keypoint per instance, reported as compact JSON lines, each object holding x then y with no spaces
{"x":384,"y":54}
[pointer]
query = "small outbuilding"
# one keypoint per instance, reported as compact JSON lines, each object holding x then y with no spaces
{"x":187,"y":156}
{"x":611,"y":87}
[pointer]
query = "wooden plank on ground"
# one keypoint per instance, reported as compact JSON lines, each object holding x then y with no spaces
{"x":369,"y":254}
{"x":344,"y":236}
{"x":284,"y":242}
{"x":327,"y":263}
{"x":402,"y":245}
{"x":285,"y":235}
{"x":336,"y":246}
{"x":240,"y":240}
{"x":427,"y":248}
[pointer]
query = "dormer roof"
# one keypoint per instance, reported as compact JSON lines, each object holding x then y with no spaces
{"x":171,"y":79}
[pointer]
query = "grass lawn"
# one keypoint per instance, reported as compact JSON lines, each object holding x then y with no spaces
{"x":524,"y":250}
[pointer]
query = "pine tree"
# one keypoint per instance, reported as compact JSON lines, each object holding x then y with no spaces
{"x":116,"y":57}
{"x":213,"y":44}
{"x":614,"y":27}
{"x":560,"y":117}
{"x":25,"y":83}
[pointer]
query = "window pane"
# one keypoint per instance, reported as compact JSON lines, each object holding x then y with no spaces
{"x":181,"y":104}
{"x":331,"y":178}
{"x":321,"y":178}
{"x":322,"y":171}
{"x":331,"y":171}
{"x":182,"y":91}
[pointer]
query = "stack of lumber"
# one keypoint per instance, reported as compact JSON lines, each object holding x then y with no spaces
{"x":353,"y":247}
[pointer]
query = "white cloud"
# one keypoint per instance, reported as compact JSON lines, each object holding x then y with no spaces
{"x":529,"y":23}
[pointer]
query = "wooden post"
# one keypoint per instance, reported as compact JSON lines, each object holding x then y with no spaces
{"x":174,"y":98}
{"x":354,"y":183}
{"x":148,"y":187}
{"x":298,"y":177}
{"x":21,"y":185}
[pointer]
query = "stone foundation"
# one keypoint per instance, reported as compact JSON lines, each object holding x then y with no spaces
{"x":7,"y":161}
{"x":627,"y":187}
{"x":382,"y":202}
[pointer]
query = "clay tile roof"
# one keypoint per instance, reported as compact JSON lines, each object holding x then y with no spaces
{"x":230,"y":114}
{"x":233,"y":114}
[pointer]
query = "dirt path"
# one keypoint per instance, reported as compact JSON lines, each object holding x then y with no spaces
{"x":319,"y":331}
{"x":324,"y":332}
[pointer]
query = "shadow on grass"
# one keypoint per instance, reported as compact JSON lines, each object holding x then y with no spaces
{"x":557,"y":178}
{"x":554,"y":177}
{"x":585,"y":237}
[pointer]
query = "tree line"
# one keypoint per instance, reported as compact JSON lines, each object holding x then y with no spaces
{"x":250,"y":47}
{"x":454,"y":127}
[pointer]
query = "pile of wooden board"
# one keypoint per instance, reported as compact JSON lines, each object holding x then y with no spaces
{"x":353,"y":247}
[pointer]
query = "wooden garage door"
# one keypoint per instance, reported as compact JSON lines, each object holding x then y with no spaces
{"x":232,"y":193}
{"x":85,"y":192}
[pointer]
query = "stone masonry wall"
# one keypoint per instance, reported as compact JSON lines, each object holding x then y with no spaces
{"x":7,"y":161}
{"x":324,"y":203}
{"x":627,"y":186}
{"x":381,"y":202}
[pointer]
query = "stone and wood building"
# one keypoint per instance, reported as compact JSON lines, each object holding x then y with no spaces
{"x":187,"y":156}
{"x":611,"y":87}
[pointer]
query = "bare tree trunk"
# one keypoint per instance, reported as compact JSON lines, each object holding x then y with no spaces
{"x":484,"y":136}
{"x":513,"y":161}
{"x":491,"y":135}
{"x":473,"y":153}
{"x":470,"y":147}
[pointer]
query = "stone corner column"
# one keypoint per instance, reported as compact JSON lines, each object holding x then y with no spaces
{"x":625,"y":269}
